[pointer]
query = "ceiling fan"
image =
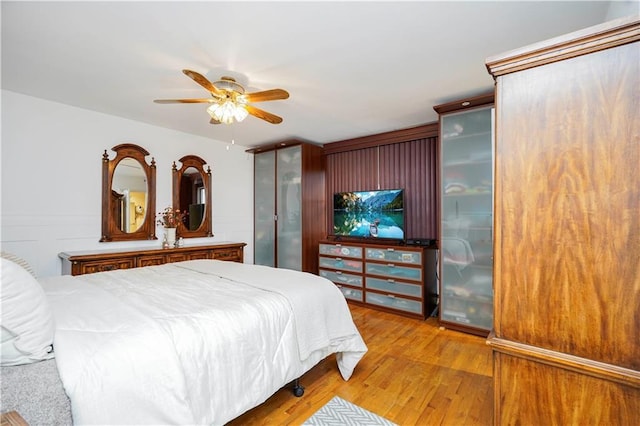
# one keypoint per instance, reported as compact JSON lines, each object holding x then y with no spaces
{"x":229,"y":102}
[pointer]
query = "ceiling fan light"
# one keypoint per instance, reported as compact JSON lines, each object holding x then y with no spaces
{"x":212,"y":110}
{"x":227,"y":111}
{"x":240,"y":113}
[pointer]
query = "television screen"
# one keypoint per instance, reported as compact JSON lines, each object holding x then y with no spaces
{"x":369,"y":214}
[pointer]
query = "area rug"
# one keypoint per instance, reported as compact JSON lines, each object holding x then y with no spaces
{"x":341,"y":412}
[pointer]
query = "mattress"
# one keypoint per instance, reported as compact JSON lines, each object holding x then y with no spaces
{"x":197,"y":342}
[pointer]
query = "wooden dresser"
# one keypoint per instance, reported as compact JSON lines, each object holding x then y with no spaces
{"x":90,"y":261}
{"x":566,"y":337}
{"x":394,"y":278}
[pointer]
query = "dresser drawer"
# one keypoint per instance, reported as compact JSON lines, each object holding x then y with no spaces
{"x":340,"y":277}
{"x":393,"y":302}
{"x":341,"y":251}
{"x":351,"y":293}
{"x":177,"y":257}
{"x":205,"y":254}
{"x":233,"y":255}
{"x":189,"y":255}
{"x":393,"y":255}
{"x":340,"y":263}
{"x":150,"y":260}
{"x":392,"y":270}
{"x":106,"y":265}
{"x":393,"y":286}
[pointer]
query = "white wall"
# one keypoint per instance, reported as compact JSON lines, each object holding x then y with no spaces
{"x":620,"y":8}
{"x":51,"y":179}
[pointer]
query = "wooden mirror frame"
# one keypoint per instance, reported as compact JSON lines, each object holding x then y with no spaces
{"x":205,"y":228}
{"x":110,"y":229}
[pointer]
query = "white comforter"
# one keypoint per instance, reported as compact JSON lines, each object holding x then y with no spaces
{"x":197,"y":342}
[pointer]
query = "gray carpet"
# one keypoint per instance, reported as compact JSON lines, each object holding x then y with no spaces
{"x":341,"y":412}
{"x":35,"y":391}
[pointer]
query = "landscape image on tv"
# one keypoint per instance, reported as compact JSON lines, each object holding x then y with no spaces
{"x":369,"y":214}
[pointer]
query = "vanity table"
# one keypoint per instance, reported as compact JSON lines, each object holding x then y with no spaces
{"x":90,"y":261}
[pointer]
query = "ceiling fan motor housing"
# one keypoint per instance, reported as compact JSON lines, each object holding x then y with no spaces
{"x":229,"y":84}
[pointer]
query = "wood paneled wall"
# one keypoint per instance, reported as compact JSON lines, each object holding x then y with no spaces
{"x":404,"y":159}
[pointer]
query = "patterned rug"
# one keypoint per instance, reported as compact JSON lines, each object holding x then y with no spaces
{"x":341,"y":412}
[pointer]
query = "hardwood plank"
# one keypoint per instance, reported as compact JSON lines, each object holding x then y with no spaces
{"x":414,"y":374}
{"x":12,"y":418}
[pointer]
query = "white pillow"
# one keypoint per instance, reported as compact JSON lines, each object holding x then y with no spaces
{"x":27,"y":319}
{"x":20,"y":261}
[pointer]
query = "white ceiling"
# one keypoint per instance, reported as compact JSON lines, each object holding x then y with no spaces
{"x":352,"y":68}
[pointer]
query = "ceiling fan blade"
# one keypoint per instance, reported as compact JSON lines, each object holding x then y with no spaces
{"x":214,"y":121}
{"x":267,"y":95}
{"x":202,"y":81}
{"x":184,"y":101}
{"x":266,"y":116}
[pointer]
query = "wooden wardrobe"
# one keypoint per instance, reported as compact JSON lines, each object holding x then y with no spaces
{"x":566,"y":336}
{"x":289,"y":204}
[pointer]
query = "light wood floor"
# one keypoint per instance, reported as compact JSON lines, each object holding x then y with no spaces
{"x":413,"y":374}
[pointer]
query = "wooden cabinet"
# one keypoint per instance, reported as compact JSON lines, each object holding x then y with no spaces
{"x":289,"y":205}
{"x":90,"y":261}
{"x":566,"y":337}
{"x":399,"y":279}
{"x":465,"y":183}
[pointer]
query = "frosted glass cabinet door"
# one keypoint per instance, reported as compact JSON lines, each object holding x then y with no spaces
{"x":265,"y":208}
{"x":289,"y":223}
{"x":466,"y":214}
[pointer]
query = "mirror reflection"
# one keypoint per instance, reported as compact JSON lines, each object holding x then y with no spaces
{"x":192,"y":197}
{"x":192,"y":194}
{"x":129,"y":192}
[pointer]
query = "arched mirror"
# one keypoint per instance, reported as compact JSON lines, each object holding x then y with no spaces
{"x":192,"y":194}
{"x":128,"y":195}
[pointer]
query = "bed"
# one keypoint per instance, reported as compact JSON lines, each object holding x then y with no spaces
{"x":196,"y":342}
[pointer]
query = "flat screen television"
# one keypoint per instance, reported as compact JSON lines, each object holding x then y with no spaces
{"x":369,"y":214}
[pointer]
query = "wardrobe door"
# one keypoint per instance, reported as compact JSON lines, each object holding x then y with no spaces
{"x":566,"y":339}
{"x":265,"y":208}
{"x":466,"y":215}
{"x":288,"y":215}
